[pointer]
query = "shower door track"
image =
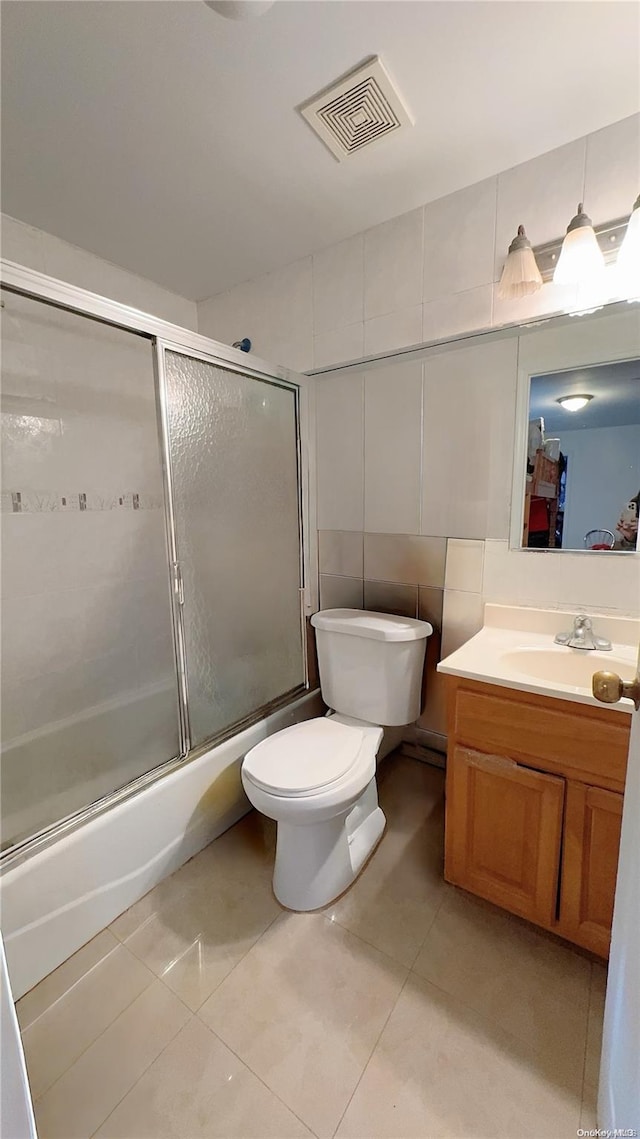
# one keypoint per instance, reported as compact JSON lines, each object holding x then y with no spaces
{"x":165,"y":336}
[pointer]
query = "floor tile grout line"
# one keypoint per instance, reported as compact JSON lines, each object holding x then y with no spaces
{"x":258,"y":1077}
{"x":489,"y":1020}
{"x":122,"y":943}
{"x":365,"y":941}
{"x":161,"y":977}
{"x":369,"y":1057}
{"x":143,"y":1073}
{"x":384,"y":952}
{"x":233,"y":968}
{"x":71,"y":987}
{"x":392,"y":960}
{"x":99,"y":1037}
{"x":106,"y":1028}
{"x":431,"y":925}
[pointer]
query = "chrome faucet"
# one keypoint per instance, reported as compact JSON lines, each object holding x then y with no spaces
{"x":582,"y":636}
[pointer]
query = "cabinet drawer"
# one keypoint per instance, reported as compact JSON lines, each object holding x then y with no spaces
{"x":589,"y":744}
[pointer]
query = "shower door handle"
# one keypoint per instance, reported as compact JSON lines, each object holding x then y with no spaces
{"x":178,"y":584}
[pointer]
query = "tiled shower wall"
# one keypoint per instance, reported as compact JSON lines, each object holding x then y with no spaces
{"x":433,"y":272}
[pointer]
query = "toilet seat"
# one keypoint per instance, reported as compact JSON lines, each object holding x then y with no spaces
{"x":306,"y":758}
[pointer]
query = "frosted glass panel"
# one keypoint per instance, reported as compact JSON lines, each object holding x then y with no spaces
{"x":89,"y":689}
{"x":234,"y":462}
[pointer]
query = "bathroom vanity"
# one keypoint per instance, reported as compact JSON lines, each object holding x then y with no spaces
{"x":536,"y":774}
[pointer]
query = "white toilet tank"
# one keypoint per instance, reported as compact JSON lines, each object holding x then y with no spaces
{"x":371,"y":664}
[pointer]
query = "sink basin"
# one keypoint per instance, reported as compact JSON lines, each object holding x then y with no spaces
{"x":515,"y":648}
{"x":561,"y":665}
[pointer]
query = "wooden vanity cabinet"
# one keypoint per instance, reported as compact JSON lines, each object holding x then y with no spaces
{"x":534,"y":805}
{"x":589,"y":865}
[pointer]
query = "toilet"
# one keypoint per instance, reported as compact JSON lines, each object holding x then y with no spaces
{"x":317,"y":779}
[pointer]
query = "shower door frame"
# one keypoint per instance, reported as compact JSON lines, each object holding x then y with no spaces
{"x":161,"y":347}
{"x":165,"y":336}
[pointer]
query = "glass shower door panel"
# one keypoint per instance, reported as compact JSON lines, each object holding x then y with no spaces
{"x":89,"y":688}
{"x":234,"y":460}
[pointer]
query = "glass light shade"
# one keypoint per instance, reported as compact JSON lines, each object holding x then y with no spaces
{"x":628,"y":263}
{"x":575,"y":402}
{"x":520,"y":276}
{"x":581,"y":261}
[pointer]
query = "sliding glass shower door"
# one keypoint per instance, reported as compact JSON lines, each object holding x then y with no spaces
{"x":151,"y":553}
{"x":232,"y":442}
{"x":88,"y":689}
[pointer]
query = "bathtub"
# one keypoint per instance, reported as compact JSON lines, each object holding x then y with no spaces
{"x":49,"y":773}
{"x":59,"y":897}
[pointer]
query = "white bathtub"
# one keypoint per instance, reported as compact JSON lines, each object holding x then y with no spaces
{"x":50,"y":773}
{"x":60,"y":897}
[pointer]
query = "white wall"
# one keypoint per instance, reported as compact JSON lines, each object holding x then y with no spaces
{"x":433,"y":272}
{"x":48,"y":254}
{"x":603,"y":473}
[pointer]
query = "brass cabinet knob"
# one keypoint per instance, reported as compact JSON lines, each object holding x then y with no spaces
{"x":608,"y":688}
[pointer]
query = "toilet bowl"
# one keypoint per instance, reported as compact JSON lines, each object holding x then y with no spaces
{"x":317,"y":779}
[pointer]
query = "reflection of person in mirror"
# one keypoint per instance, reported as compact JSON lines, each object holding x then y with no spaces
{"x":627,"y":525}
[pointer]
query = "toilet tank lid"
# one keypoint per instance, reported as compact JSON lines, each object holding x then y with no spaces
{"x":377,"y":626}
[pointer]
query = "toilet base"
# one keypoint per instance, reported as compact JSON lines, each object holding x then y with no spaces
{"x":317,"y":862}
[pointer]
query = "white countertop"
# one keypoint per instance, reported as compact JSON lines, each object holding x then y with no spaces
{"x":516,"y":649}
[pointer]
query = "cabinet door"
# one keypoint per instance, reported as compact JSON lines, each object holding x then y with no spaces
{"x":503,"y":831}
{"x":589,"y":865}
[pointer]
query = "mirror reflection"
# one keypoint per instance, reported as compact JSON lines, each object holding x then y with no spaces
{"x":582,"y":489}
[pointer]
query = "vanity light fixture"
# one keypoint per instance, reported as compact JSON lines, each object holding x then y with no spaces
{"x":581,"y":261}
{"x":628,"y":263}
{"x":574,"y":402}
{"x":579,"y":258}
{"x":520,"y":276}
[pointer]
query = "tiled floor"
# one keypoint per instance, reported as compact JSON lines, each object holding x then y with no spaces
{"x":407,"y":1010}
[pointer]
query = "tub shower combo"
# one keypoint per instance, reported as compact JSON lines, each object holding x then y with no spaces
{"x":154,"y":600}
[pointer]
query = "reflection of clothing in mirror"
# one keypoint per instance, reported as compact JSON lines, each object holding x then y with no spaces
{"x":538,"y":523}
{"x":627,"y":526}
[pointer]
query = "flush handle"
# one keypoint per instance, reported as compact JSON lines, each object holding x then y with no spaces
{"x":608,"y":688}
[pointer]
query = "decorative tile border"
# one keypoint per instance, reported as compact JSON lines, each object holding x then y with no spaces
{"x":47,"y":502}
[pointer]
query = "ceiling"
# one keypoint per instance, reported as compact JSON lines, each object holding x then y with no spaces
{"x":615,"y":389}
{"x":164,"y":137}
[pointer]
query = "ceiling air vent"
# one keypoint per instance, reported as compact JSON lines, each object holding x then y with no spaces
{"x":359,"y":110}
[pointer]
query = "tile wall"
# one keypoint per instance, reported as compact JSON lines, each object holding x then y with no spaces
{"x":432,"y":272}
{"x":414,"y":475}
{"x":48,"y":254}
{"x":414,"y":462}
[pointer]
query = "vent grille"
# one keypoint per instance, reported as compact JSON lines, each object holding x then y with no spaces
{"x":359,"y":110}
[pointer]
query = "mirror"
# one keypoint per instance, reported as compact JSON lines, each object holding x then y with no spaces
{"x":582,"y":488}
{"x":576,"y":473}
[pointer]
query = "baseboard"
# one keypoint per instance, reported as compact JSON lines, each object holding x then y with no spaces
{"x":424,"y":745}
